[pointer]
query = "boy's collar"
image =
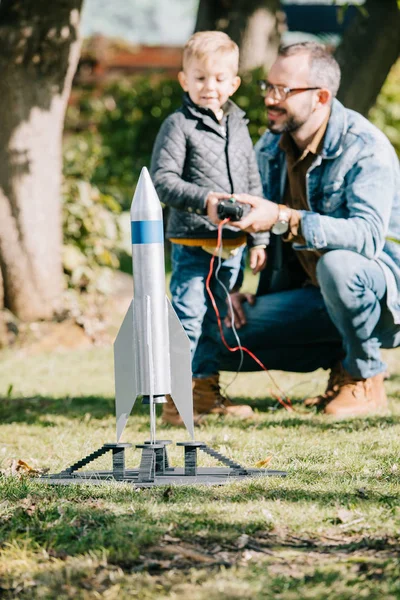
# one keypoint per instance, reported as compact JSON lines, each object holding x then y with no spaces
{"x":229,"y":107}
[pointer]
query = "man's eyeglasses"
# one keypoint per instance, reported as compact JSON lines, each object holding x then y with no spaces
{"x":279,"y":92}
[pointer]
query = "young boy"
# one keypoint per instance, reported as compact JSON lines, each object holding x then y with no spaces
{"x":203,"y":149}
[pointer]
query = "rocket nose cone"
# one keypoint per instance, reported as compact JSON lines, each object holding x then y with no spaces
{"x":145,"y":172}
{"x":145,"y":204}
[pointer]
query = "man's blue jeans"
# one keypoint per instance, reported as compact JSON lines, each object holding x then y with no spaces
{"x":190,"y":299}
{"x":304,"y":329}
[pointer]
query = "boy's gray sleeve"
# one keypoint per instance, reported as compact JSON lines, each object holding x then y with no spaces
{"x":167,"y":166}
{"x":255,"y":189}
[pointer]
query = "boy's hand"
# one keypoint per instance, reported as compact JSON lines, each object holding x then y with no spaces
{"x":258,"y":259}
{"x":212,"y":201}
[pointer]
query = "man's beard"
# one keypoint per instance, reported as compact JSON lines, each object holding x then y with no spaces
{"x":292,"y":124}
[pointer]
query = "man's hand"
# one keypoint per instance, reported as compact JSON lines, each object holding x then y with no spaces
{"x":262,"y":217}
{"x":212,"y":201}
{"x":238,"y":299}
{"x":258,"y":259}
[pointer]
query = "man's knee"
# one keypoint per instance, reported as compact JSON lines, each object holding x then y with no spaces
{"x":336,"y":270}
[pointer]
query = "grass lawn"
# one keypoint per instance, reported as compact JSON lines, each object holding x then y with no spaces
{"x":329,"y":530}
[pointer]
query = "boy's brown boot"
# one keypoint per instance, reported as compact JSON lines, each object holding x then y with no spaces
{"x":332,"y":388}
{"x":171,"y":416}
{"x":358,"y":397}
{"x":207,"y":399}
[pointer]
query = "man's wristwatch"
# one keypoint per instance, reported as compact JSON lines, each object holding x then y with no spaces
{"x":281,"y":225}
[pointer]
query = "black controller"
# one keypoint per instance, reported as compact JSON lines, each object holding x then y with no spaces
{"x":232,"y":209}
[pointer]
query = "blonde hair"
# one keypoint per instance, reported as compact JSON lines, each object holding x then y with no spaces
{"x":204,"y":44}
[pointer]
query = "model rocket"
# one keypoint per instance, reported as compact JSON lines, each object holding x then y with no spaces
{"x":152,"y":351}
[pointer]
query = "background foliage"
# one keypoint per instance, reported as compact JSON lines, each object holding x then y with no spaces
{"x":386,"y":112}
{"x":92,"y":235}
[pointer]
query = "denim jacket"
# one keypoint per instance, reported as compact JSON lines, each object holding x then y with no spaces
{"x":353,"y":192}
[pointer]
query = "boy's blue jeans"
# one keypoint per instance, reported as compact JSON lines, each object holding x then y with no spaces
{"x":190,"y":299}
{"x":303,"y":329}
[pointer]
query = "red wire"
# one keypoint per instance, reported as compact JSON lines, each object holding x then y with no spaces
{"x":287,"y":404}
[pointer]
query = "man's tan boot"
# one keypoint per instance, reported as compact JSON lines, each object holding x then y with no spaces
{"x":358,"y":397}
{"x":332,"y":388}
{"x":207,"y":399}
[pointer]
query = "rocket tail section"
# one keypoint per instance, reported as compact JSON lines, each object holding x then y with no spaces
{"x":181,"y":369}
{"x":127,"y":375}
{"x":125,"y":370}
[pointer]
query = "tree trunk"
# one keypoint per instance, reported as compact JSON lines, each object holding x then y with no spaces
{"x":255,"y":25}
{"x":40,"y":48}
{"x":370,"y":46}
{"x":1,"y":291}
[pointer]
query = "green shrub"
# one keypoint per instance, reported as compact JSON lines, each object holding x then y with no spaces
{"x":249,"y":99}
{"x":386,"y":112}
{"x":92,"y":236}
{"x":129,"y":127}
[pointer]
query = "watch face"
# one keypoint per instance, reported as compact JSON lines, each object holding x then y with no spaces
{"x":280,"y":227}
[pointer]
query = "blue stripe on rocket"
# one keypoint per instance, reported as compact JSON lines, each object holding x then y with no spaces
{"x":147,"y":232}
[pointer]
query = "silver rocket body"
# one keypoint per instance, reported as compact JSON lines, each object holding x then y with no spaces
{"x":150,"y":315}
{"x":152,"y":350}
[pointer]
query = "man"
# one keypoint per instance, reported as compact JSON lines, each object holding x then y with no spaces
{"x":330,"y":295}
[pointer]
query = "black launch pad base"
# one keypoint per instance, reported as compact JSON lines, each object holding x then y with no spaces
{"x":155,"y":469}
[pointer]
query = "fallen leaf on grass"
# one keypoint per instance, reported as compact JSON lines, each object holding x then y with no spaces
{"x":263,"y":463}
{"x":20,"y":468}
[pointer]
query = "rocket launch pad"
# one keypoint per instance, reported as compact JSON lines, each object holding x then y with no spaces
{"x":152,"y":359}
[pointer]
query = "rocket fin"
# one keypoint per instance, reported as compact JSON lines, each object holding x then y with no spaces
{"x":181,"y":369}
{"x":125,"y":371}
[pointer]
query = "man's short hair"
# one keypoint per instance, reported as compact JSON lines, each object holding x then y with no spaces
{"x":324,"y":69}
{"x":205,"y":44}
